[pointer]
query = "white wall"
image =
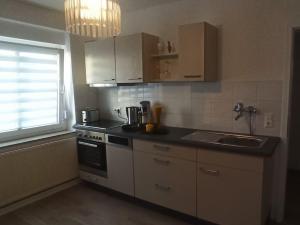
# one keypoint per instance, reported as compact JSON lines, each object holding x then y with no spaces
{"x":21,"y":11}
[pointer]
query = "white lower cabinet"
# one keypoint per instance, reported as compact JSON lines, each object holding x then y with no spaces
{"x":228,"y":196}
{"x":233,"y":189}
{"x":120,"y":169}
{"x":166,"y":181}
{"x":216,"y":186}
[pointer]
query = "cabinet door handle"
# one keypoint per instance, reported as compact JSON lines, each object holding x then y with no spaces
{"x":162,"y":148}
{"x":87,"y":144}
{"x":210,"y":172}
{"x":110,"y":80}
{"x":135,"y":78}
{"x":162,"y":187}
{"x":192,"y":76}
{"x":165,"y":162}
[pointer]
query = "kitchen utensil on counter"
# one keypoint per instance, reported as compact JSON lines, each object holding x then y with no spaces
{"x":157,"y":115}
{"x":146,"y":112}
{"x":131,"y":128}
{"x":153,"y":129}
{"x":133,"y":115}
{"x":149,"y":128}
{"x":89,"y":115}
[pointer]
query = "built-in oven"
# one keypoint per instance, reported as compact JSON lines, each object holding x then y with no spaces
{"x":92,"y":153}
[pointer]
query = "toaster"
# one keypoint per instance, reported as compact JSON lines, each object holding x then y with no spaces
{"x":89,"y":115}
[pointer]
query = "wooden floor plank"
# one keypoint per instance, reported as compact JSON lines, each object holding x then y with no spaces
{"x":82,"y":205}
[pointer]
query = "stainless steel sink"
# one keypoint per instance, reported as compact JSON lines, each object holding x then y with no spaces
{"x":226,"y":139}
{"x":243,"y":141}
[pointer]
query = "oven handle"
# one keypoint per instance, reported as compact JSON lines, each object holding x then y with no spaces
{"x":88,"y":144}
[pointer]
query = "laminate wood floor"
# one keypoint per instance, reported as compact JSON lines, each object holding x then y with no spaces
{"x":82,"y":205}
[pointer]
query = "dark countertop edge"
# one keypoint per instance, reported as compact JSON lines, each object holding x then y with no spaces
{"x":268,"y":150}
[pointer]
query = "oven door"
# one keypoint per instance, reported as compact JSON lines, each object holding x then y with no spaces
{"x":92,"y":156}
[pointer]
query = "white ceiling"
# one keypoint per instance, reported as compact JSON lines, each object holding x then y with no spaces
{"x":126,"y":5}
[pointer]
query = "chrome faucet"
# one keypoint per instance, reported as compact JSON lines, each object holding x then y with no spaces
{"x":240,"y":109}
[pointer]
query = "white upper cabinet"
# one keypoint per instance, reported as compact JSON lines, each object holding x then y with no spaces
{"x":100,"y":62}
{"x":198,"y":52}
{"x":125,"y":59}
{"x":134,"y":61}
{"x":129,"y":62}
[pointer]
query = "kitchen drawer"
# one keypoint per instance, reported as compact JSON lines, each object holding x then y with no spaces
{"x":166,"y":181}
{"x":228,"y":196}
{"x":165,"y":149}
{"x":231,"y":160}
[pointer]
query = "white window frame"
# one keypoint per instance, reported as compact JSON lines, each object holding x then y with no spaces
{"x":36,"y":131}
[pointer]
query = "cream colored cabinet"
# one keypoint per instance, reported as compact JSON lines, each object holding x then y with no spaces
{"x":197,"y":52}
{"x":134,"y":61}
{"x":124,"y":59}
{"x":120,"y":169}
{"x":165,"y":179}
{"x":100,"y":62}
{"x":233,"y":189}
{"x":228,"y":196}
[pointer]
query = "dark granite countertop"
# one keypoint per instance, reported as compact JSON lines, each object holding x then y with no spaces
{"x":175,"y":134}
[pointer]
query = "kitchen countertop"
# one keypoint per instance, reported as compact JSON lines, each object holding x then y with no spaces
{"x":175,"y":135}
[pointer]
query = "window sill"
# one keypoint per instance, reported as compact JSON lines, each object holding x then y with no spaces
{"x":32,"y":139}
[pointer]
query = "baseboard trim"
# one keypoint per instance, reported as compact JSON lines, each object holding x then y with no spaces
{"x":36,"y":197}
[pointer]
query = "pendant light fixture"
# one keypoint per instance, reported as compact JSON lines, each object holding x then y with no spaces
{"x":93,"y":18}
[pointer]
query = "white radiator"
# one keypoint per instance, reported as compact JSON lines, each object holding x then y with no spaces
{"x":27,"y":171}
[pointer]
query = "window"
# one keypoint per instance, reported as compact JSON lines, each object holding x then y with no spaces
{"x":30,"y":90}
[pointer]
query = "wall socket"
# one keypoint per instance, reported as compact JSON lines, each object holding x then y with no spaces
{"x":117,"y":110}
{"x":268,"y":120}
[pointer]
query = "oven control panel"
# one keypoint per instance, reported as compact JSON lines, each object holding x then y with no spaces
{"x":90,"y":135}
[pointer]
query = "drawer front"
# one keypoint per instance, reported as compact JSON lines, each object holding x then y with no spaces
{"x":228,"y":196}
{"x":165,"y":149}
{"x":166,"y":181}
{"x":231,"y":160}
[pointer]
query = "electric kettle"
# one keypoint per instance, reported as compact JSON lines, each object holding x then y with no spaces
{"x":133,"y":115}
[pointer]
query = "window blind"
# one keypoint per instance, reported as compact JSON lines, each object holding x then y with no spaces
{"x":29,"y":86}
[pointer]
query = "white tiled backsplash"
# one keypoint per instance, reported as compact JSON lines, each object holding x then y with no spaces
{"x":201,"y":105}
